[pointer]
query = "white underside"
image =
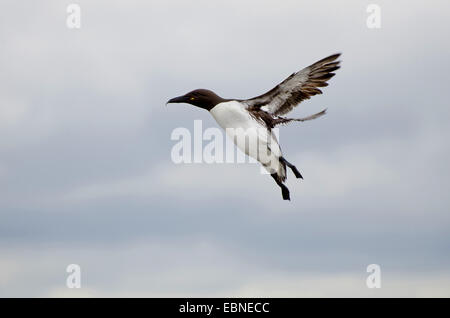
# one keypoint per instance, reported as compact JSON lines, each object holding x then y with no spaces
{"x":249,"y":135}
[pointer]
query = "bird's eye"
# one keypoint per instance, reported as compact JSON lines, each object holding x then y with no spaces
{"x":192,"y":98}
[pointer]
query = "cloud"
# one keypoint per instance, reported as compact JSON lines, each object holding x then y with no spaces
{"x":171,"y":269}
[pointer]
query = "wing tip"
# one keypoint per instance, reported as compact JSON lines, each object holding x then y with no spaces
{"x":329,"y":59}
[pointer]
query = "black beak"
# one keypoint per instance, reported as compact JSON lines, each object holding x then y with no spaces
{"x":179,"y":99}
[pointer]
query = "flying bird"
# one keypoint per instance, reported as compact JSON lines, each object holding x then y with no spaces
{"x":250,"y":122}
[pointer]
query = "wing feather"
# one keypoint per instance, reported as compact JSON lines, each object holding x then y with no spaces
{"x":296,"y":88}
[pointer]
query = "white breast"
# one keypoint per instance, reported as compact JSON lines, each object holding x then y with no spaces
{"x":249,"y":135}
{"x":233,"y":115}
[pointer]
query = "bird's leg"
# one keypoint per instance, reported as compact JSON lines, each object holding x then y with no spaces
{"x":284,"y":189}
{"x":293,"y":168}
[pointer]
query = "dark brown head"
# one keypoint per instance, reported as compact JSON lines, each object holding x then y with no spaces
{"x":202,"y":98}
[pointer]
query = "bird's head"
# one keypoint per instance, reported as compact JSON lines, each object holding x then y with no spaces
{"x":202,"y":98}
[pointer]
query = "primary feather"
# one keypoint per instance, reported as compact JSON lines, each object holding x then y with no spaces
{"x":296,"y":88}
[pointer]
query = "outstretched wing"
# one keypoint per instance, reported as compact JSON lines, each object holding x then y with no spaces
{"x":296,"y":88}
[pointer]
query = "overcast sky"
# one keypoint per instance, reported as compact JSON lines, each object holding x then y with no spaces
{"x":86,"y":175}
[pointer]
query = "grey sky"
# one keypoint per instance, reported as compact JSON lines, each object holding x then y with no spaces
{"x":86,"y":175}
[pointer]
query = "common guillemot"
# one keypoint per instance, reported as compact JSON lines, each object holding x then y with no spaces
{"x":254,"y":118}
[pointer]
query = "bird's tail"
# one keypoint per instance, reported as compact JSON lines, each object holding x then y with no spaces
{"x":276,"y":167}
{"x":279,"y":177}
{"x":281,"y":172}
